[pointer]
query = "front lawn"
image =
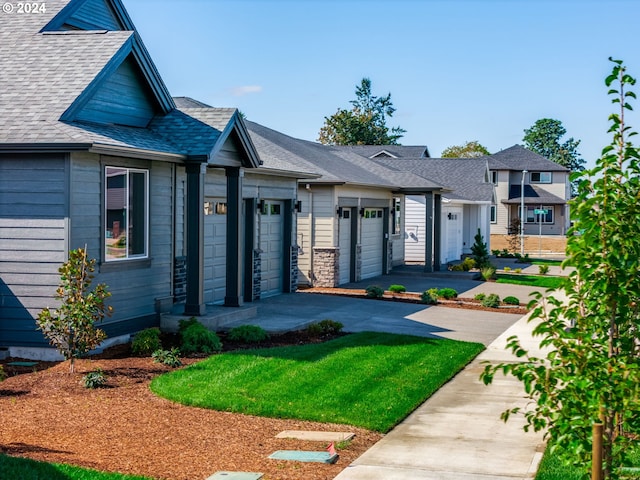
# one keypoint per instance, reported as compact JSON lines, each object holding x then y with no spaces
{"x":15,"y":468}
{"x":530,"y":280}
{"x":552,"y":469}
{"x":370,"y":380}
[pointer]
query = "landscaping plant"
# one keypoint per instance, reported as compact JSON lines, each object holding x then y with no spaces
{"x":492,"y":300}
{"x":397,"y":288}
{"x":71,"y":327}
{"x":374,"y":291}
{"x":487,"y":273}
{"x":324,"y":327}
{"x":430,"y":297}
{"x":146,"y":342}
{"x":480,"y":252}
{"x":248,"y":334}
{"x":447,"y":293}
{"x":511,"y":300}
{"x":196,"y":338}
{"x":94,"y":379}
{"x":170,"y":358}
{"x":590,"y":373}
{"x":543,"y":269}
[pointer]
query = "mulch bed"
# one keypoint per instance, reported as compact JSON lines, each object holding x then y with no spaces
{"x":47,"y":415}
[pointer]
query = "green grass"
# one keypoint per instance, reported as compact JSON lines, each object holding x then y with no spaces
{"x":545,"y":261}
{"x":371,"y":380}
{"x":14,"y":468}
{"x":552,"y":469}
{"x":531,"y":280}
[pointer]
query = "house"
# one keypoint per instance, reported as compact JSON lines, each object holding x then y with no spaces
{"x":546,"y":192}
{"x":466,"y":205}
{"x":168,"y":195}
{"x":351,"y":217}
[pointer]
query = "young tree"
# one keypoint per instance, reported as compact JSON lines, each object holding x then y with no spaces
{"x":480,"y":252}
{"x":364,"y":124}
{"x":591,"y":371}
{"x":544,"y":139}
{"x":472,"y":149}
{"x":71,"y":328}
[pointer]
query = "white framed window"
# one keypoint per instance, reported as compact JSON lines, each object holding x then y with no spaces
{"x":493,"y":176}
{"x":540,"y":177}
{"x":540,"y":214}
{"x":494,"y":214}
{"x":126,"y":200}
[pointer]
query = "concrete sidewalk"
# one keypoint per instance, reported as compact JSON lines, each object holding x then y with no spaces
{"x":457,"y":434}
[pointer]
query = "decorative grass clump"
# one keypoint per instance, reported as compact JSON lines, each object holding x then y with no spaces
{"x":370,"y":379}
{"x":248,"y":334}
{"x":492,"y":300}
{"x":146,"y":342}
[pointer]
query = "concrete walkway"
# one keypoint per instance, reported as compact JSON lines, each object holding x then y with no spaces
{"x":457,"y":434}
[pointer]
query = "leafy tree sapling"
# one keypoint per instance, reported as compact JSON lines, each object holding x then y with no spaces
{"x":590,"y":371}
{"x":70,"y":328}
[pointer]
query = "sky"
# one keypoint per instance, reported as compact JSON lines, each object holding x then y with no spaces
{"x":457,"y":70}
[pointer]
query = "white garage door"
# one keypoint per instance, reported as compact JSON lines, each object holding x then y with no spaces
{"x":372,"y":232}
{"x":451,"y":234}
{"x":344,"y":262}
{"x":271,"y":232}
{"x":215,"y":250}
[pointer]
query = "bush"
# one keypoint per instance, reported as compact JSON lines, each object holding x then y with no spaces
{"x":374,"y":291}
{"x":457,"y":268}
{"x":167,"y":357}
{"x":488,"y":273}
{"x":492,"y":300}
{"x":517,"y":270}
{"x":397,"y":288}
{"x":479,"y":251}
{"x":248,"y":334}
{"x":447,"y":293}
{"x":196,"y":338}
{"x":480,"y":296}
{"x":3,"y":375}
{"x":543,"y":269}
{"x":430,"y":297}
{"x":510,"y":300}
{"x":507,"y":269}
{"x":95,"y":379}
{"x":146,"y":342}
{"x":324,"y":327}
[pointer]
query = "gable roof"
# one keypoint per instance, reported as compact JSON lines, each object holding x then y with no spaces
{"x":518,"y":158}
{"x":466,"y":178}
{"x":334,"y":165}
{"x":392,"y":151}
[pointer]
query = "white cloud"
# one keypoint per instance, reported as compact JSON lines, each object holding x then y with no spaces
{"x":245,"y":90}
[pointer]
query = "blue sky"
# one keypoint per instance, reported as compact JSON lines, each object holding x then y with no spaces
{"x":457,"y":70}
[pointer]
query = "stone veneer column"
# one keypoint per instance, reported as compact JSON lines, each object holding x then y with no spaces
{"x":325,"y":267}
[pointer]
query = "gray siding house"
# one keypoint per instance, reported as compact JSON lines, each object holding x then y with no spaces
{"x":168,"y":195}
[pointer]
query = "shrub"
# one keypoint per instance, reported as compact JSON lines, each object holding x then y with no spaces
{"x":196,"y":338}
{"x":70,"y":328}
{"x":3,"y":375}
{"x":167,"y":357}
{"x":458,"y":267}
{"x":479,"y":251}
{"x":430,"y":297}
{"x":496,"y":253}
{"x":146,"y":342}
{"x":184,"y":324}
{"x":468,"y":264}
{"x":374,"y":291}
{"x":517,"y":270}
{"x":507,"y":269}
{"x":248,"y":334}
{"x":543,"y":269}
{"x":324,"y":327}
{"x":397,"y":288}
{"x":447,"y":293}
{"x":510,"y":300}
{"x":488,"y":273}
{"x":492,"y":300}
{"x":480,"y":296}
{"x":95,"y":379}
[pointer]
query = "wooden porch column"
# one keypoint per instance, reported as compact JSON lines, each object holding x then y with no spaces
{"x":234,"y":294}
{"x":428,"y":222}
{"x":195,"y":239}
{"x":437,"y":227}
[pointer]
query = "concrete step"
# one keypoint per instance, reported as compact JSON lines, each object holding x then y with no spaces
{"x":216,"y":317}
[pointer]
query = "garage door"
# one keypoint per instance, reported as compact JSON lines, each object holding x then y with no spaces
{"x":344,"y":262}
{"x":451,"y":234}
{"x":215,"y":250}
{"x":271,"y":244}
{"x":372,"y":232}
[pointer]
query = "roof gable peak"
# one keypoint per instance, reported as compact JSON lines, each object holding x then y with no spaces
{"x":89,"y":15}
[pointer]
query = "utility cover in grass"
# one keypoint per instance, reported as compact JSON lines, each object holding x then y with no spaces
{"x":235,"y":476}
{"x":302,"y":456}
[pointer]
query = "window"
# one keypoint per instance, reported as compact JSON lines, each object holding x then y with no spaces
{"x":494,"y":214}
{"x":540,"y":177}
{"x":126,"y":213}
{"x":540,"y":214}
{"x":396,"y":213}
{"x":493,"y":177}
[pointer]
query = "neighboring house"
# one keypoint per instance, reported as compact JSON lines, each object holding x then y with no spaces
{"x":170,"y":199}
{"x":546,"y":192}
{"x":466,"y":206}
{"x":350,"y":221}
{"x":389,"y":151}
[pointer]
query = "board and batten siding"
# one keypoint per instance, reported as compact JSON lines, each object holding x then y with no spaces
{"x":93,"y":15}
{"x":33,"y":241}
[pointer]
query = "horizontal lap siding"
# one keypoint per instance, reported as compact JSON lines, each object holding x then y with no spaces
{"x":33,"y":241}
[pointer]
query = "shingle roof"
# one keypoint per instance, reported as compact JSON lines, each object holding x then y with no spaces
{"x":533,"y":195}
{"x":465,"y":177}
{"x":518,"y":158}
{"x":409,"y":151}
{"x":334,"y":164}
